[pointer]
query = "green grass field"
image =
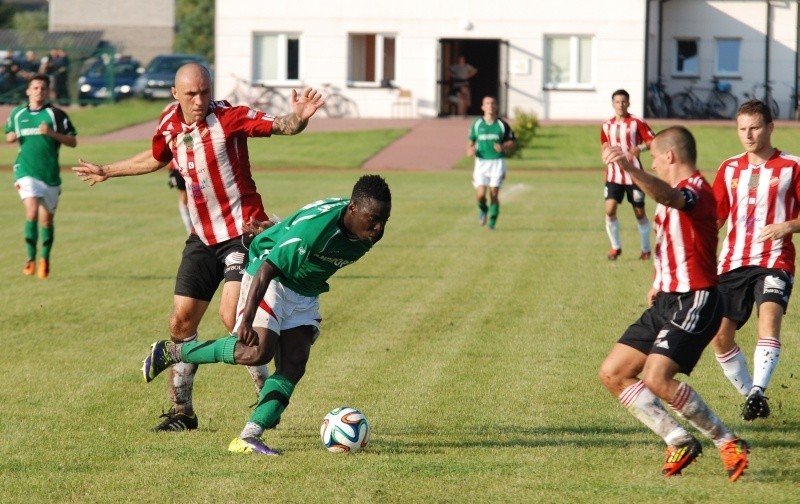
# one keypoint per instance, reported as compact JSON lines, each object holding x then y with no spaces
{"x":474,"y":355}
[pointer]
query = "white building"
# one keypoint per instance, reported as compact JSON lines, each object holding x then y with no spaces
{"x":561,"y":60}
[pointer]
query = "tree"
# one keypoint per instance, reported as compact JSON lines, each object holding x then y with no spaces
{"x":6,"y":15}
{"x":194,"y":33}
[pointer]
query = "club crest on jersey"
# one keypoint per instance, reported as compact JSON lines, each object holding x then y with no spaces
{"x":734,"y":183}
{"x":188,"y":142}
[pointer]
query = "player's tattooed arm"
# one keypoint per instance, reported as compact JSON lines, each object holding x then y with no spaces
{"x":289,"y":124}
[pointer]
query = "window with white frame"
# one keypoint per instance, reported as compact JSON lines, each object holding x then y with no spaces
{"x":687,"y":58}
{"x":727,"y":60}
{"x":570,"y":61}
{"x":276,"y":57}
{"x":372,"y":58}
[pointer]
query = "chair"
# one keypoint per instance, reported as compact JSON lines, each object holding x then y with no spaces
{"x":403,"y":106}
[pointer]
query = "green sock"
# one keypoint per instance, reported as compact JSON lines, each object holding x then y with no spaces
{"x":48,"y":235}
{"x":209,"y":352}
{"x":31,"y":237}
{"x":494,"y":211}
{"x":483,"y":208}
{"x":274,"y":399}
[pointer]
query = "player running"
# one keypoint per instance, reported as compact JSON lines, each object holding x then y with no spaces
{"x":685,"y":309}
{"x":290,"y":264}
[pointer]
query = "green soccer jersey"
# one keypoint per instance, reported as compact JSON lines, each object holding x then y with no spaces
{"x":487,"y":135}
{"x":38,"y":153}
{"x":308,"y":247}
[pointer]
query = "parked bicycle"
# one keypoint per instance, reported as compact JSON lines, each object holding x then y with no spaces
{"x":719,"y":104}
{"x":765,"y":96}
{"x":258,"y":96}
{"x":659,"y":103}
{"x":336,"y":104}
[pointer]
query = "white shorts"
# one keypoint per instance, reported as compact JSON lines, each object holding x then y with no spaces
{"x":489,"y":172}
{"x":29,"y":187}
{"x":281,"y":309}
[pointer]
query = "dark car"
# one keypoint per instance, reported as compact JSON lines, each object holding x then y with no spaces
{"x":102,"y":82}
{"x":159,"y":76}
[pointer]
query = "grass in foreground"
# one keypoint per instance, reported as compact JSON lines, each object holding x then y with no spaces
{"x":473,"y":354}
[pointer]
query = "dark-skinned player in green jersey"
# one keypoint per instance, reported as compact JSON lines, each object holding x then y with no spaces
{"x":278,"y":312}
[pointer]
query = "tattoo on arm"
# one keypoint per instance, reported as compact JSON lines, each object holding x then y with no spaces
{"x":288,"y":124}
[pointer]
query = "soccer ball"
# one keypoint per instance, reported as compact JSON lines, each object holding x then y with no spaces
{"x":344,"y":430}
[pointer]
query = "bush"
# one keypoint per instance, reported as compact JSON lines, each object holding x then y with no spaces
{"x":525,"y":126}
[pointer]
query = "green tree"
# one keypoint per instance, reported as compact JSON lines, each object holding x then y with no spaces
{"x":194,"y":34}
{"x":6,"y":15}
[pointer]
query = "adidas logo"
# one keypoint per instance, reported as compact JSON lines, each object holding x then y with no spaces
{"x":662,"y":344}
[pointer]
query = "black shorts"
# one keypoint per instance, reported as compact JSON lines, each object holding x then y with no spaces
{"x":176,"y":180}
{"x":744,"y":286}
{"x":617,"y":191}
{"x":203,"y":267}
{"x":678,"y":326}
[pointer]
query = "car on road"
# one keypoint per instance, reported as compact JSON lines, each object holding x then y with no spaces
{"x":159,"y":75}
{"x":103,"y":82}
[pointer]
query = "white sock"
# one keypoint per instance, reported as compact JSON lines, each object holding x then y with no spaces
{"x":644,"y":234}
{"x":259,"y":374}
{"x":251,"y":430}
{"x":734,"y":366}
{"x":765,"y":360}
{"x":646,"y":407}
{"x":185,"y":217}
{"x":612,"y":229}
{"x":180,"y":380}
{"x":689,"y":405}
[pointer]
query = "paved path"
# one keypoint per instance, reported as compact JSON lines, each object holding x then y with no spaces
{"x":430,"y":144}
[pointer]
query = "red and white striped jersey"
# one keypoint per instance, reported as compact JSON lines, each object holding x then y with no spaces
{"x":630,"y":132}
{"x":212,"y":157}
{"x":750,"y":197}
{"x":686,"y":240}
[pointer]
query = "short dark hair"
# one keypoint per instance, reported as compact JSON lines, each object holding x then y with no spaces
{"x":371,"y":187}
{"x":680,"y":141}
{"x":621,"y":92}
{"x":41,"y":77}
{"x":754,"y":106}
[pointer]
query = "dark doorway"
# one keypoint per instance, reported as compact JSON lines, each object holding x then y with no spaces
{"x":484,"y":55}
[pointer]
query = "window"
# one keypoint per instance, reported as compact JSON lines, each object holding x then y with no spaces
{"x":372,"y":58}
{"x":727,"y":61}
{"x":276,"y":57}
{"x":570,"y":62}
{"x":687,"y":59}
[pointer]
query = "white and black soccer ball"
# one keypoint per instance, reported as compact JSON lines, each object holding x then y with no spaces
{"x":344,"y":430}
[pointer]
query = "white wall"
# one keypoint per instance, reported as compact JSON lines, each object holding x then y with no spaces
{"x":419,"y":24}
{"x":744,"y":19}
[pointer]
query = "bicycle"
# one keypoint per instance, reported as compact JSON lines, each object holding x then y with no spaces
{"x":719,"y":104}
{"x":766,"y":97}
{"x":336,"y":104}
{"x":659,"y":103}
{"x":258,"y":96}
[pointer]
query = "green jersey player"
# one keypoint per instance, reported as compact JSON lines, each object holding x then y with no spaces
{"x":490,"y":139}
{"x":289,"y":267}
{"x":40,"y":129}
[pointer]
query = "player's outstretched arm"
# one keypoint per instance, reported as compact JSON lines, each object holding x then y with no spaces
{"x":653,"y":186}
{"x":304,"y":106}
{"x":142,"y":163}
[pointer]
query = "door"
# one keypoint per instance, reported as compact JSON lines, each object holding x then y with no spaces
{"x":485,"y":56}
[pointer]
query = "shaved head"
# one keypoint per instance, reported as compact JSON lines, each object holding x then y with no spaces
{"x":192,"y":89}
